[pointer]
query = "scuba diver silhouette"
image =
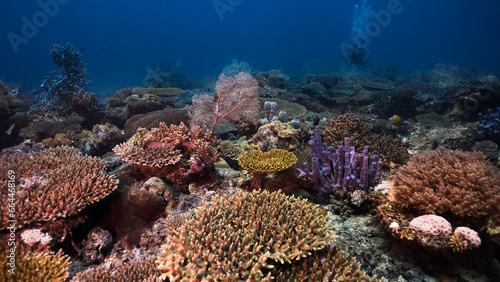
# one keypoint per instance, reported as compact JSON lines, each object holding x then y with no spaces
{"x":357,"y":55}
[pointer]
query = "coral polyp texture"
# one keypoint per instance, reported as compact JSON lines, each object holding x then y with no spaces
{"x":54,"y":183}
{"x":461,"y":185}
{"x":240,"y":237}
{"x":33,"y":266}
{"x":157,"y":151}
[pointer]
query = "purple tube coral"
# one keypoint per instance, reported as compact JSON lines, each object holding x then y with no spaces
{"x":343,"y":168}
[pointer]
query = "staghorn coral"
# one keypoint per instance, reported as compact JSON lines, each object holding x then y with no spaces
{"x":33,"y":266}
{"x":329,"y":264}
{"x":156,"y":152}
{"x":137,"y":270}
{"x":239,"y":237}
{"x":261,"y":163}
{"x":389,"y":150}
{"x":54,"y":183}
{"x":460,"y":186}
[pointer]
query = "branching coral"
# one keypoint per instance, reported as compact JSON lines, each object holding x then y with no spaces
{"x":329,"y":264}
{"x":461,"y":185}
{"x":156,"y":152}
{"x":141,"y":270}
{"x":33,"y":266}
{"x":54,"y":183}
{"x":239,"y":237}
{"x":261,"y":163}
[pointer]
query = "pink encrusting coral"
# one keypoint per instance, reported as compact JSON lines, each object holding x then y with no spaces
{"x":431,"y":224}
{"x":468,"y":234}
{"x":235,"y":98}
{"x":163,"y":149}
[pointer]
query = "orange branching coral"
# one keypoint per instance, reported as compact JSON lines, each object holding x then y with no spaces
{"x":156,"y":151}
{"x":33,"y":266}
{"x":261,"y":163}
{"x":237,"y":238}
{"x":141,"y":270}
{"x":329,"y":264}
{"x":54,"y":183}
{"x":461,"y":186}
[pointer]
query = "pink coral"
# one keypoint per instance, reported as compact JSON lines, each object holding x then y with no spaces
{"x":461,"y":185}
{"x":156,"y":152}
{"x":468,"y":234}
{"x":431,"y":224}
{"x":33,"y":236}
{"x":236,"y":97}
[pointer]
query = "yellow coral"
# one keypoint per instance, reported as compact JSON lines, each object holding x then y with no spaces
{"x":273,"y":161}
{"x":34,"y":266}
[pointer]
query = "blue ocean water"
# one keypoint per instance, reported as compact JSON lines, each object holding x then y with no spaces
{"x":120,"y":39}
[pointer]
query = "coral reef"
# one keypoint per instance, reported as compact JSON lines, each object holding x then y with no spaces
{"x":343,"y":170}
{"x":329,"y":264}
{"x":42,"y":129}
{"x":8,"y":101}
{"x":277,"y":135}
{"x":235,"y":67}
{"x":293,"y":110}
{"x":431,"y":224}
{"x":273,"y":78}
{"x":153,"y":119}
{"x":69,"y":79}
{"x":165,"y":91}
{"x":461,"y":186}
{"x":235,"y":98}
{"x":97,"y":246}
{"x":390,"y":150}
{"x":101,"y":139}
{"x":136,"y":270}
{"x":240,"y":237}
{"x":33,"y":266}
{"x":489,"y":124}
{"x":51,"y":184}
{"x":173,"y":152}
{"x":261,"y":163}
